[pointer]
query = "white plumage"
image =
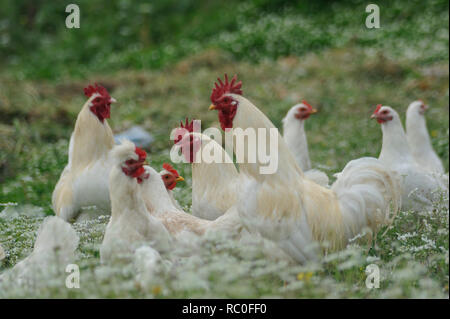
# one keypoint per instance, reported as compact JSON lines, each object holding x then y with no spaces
{"x":143,"y":213}
{"x":419,"y":187}
{"x":419,"y":140}
{"x":84,"y":181}
{"x":297,"y":213}
{"x":53,"y":250}
{"x":295,"y":138}
{"x":131,"y":225}
{"x":214,"y":183}
{"x":175,"y":220}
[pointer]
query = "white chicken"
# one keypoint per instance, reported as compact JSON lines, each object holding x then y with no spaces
{"x":293,"y":211}
{"x":131,"y":225}
{"x":214,"y":182}
{"x":142,"y":211}
{"x":419,"y":187}
{"x":418,"y":139}
{"x":53,"y":250}
{"x":84,"y":181}
{"x":295,"y":138}
{"x":177,"y":221}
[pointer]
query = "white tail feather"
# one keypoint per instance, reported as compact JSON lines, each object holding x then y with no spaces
{"x":365,"y":189}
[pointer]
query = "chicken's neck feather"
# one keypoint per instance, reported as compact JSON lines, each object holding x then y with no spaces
{"x":395,"y":145}
{"x":91,"y":139}
{"x":214,"y":171}
{"x":295,"y":137}
{"x":249,"y":116}
{"x":125,"y":195}
{"x":417,"y":134}
{"x":156,"y":197}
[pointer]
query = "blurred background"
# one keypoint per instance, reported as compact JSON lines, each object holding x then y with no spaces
{"x":159,"y":59}
{"x":125,"y":34}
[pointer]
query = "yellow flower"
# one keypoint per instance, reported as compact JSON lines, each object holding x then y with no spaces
{"x":156,"y":290}
{"x":434,"y":133}
{"x":307,"y":276}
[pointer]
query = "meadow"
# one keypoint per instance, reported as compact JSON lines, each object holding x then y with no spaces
{"x":281,"y":57}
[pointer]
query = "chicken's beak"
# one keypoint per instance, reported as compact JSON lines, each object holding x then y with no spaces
{"x":313,"y":111}
{"x":179,"y":179}
{"x":373,"y":116}
{"x":112,"y":100}
{"x":212,"y":107}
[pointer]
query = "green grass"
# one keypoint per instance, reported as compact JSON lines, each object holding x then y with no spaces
{"x":117,"y":35}
{"x":344,"y":84}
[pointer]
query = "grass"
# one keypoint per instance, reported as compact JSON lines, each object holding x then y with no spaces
{"x":344,"y":84}
{"x":35,"y":44}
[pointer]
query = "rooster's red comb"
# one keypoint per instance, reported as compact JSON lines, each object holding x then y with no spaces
{"x":227,"y":87}
{"x":170,"y":169}
{"x":307,"y":104}
{"x":179,"y":133}
{"x":187,"y":125}
{"x":377,"y":109}
{"x":141,"y":153}
{"x":89,"y":90}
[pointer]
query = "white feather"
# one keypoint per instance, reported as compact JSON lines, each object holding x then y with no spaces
{"x":419,"y":140}
{"x":420,"y":188}
{"x":53,"y":250}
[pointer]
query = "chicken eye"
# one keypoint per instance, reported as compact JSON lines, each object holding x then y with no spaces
{"x":166,"y":176}
{"x":97,"y":100}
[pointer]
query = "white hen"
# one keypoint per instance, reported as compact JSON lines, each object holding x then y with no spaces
{"x":419,"y":187}
{"x":418,"y":139}
{"x":170,"y":178}
{"x":131,"y":225}
{"x":177,"y":221}
{"x":295,"y":138}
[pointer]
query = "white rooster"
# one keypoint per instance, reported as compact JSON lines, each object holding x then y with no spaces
{"x":418,"y":139}
{"x":293,"y":211}
{"x":84,"y":181}
{"x":214,"y":181}
{"x":295,"y":138}
{"x":131,"y":225}
{"x":420,"y":188}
